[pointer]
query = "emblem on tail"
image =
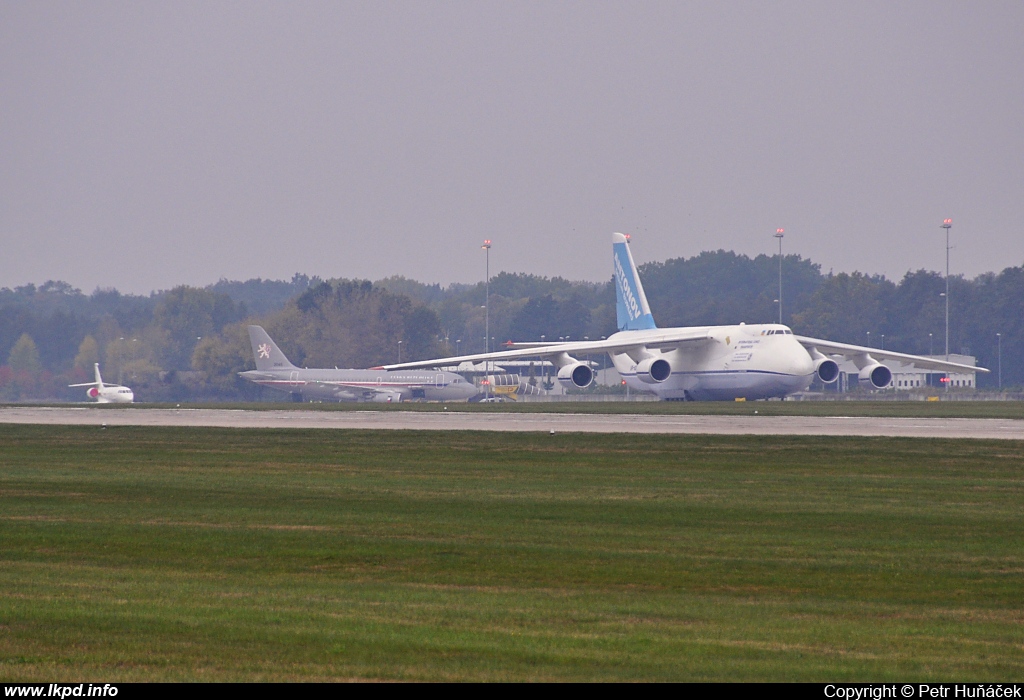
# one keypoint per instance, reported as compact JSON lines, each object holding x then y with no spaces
{"x":266,"y":353}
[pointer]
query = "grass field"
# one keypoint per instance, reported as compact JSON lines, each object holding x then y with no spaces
{"x":204,"y":554}
{"x":881,"y":409}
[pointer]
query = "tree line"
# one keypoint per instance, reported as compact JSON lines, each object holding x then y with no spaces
{"x":189,"y":343}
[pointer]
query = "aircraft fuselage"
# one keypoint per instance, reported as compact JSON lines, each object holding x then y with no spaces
{"x":365,"y":385}
{"x":758,"y":361}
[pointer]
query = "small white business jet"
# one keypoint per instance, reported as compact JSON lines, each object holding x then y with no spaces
{"x":703,"y":363}
{"x":107,"y":393}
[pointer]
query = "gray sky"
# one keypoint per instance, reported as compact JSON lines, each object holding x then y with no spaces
{"x":144,"y":145}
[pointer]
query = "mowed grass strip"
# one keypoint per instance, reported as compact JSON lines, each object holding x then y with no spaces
{"x":206,"y":554}
{"x":1011,"y":410}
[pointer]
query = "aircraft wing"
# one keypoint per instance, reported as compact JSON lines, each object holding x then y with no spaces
{"x":828,"y":347}
{"x":108,"y":386}
{"x":358,"y":388}
{"x":621,"y":342}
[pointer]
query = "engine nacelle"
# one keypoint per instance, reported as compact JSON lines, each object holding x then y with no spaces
{"x":387,"y":397}
{"x":653,"y":370}
{"x":827,"y":370}
{"x":578,"y":375}
{"x":92,"y":392}
{"x":878,"y":374}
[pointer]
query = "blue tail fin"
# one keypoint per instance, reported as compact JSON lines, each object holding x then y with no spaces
{"x":631,"y":307}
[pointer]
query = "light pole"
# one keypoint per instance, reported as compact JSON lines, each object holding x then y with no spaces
{"x":778,"y":234}
{"x":487,"y":309}
{"x":399,"y":352}
{"x":947,"y":224}
{"x":487,"y":295}
{"x":868,"y":343}
{"x":999,"y":362}
{"x":883,"y":341}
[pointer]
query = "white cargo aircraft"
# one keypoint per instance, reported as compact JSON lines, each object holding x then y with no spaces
{"x":106,"y":393}
{"x":703,"y":363}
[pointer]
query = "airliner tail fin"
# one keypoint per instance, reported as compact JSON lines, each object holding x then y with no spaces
{"x":631,"y":309}
{"x":266,"y":352}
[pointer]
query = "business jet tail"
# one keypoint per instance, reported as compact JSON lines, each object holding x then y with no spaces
{"x":631,"y":309}
{"x":99,"y":380}
{"x":266,"y":352}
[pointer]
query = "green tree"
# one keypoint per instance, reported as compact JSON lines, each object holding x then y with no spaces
{"x":347,"y":323}
{"x":24,"y":357}
{"x":25,"y":370}
{"x":222,"y":357}
{"x":846,"y":308}
{"x":188,"y":314}
{"x":420,"y":331}
{"x":552,"y":318}
{"x":88,"y":354}
{"x":916,"y":309}
{"x":722,"y":287}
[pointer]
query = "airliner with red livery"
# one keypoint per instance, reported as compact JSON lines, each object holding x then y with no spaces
{"x":275,"y":371}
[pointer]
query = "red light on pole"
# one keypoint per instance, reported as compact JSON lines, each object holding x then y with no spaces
{"x":947,"y":222}
{"x":779,"y":231}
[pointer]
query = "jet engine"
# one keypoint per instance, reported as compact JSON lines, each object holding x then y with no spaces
{"x":92,"y":392}
{"x":653,"y":370}
{"x":878,"y":374}
{"x":387,"y":397}
{"x":576,"y":375}
{"x":827,"y":370}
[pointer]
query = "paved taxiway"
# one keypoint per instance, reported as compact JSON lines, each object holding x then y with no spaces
{"x":980,"y":428}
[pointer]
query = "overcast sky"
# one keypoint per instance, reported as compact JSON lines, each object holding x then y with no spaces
{"x":149,"y":144}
